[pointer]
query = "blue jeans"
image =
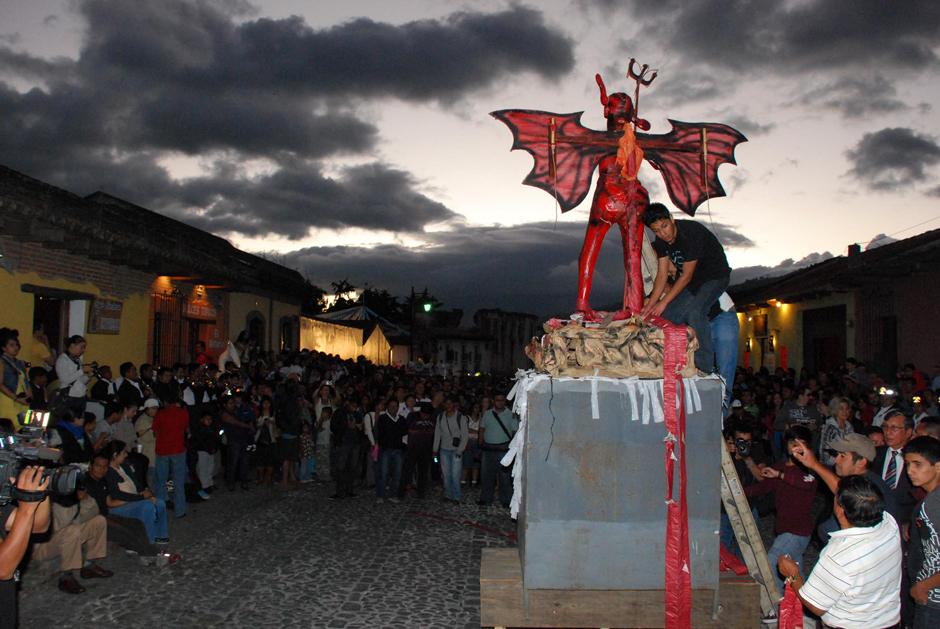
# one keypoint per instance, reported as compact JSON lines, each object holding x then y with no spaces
{"x":726,"y":533}
{"x":389,"y":468}
{"x":724,"y":329}
{"x":152,"y":514}
{"x":451,"y":469}
{"x":786,"y":544}
{"x":692,"y":309}
{"x":308,"y":467}
{"x":173,"y":465}
{"x":926,"y":617}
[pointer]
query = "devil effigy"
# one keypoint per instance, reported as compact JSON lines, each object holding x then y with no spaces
{"x":566,"y":153}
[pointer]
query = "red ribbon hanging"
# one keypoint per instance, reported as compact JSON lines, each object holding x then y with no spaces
{"x":678,"y":574}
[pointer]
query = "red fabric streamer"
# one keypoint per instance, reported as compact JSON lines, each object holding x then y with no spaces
{"x":678,"y":571}
{"x":729,"y":562}
{"x":791,"y":610}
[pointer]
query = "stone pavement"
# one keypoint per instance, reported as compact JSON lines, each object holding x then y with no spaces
{"x":268,"y":558}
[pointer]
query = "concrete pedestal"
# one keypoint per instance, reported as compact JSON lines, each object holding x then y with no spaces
{"x":593,"y":515}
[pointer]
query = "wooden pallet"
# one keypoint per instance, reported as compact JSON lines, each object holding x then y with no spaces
{"x":501,"y":601}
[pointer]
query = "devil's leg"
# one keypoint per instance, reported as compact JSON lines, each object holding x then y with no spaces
{"x":593,"y":239}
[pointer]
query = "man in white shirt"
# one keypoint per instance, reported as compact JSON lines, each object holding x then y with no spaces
{"x":856,"y":583}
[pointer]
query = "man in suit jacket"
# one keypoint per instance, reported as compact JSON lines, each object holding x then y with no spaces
{"x":889,"y":464}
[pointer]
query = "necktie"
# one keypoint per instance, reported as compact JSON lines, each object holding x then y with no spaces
{"x":891,"y":474}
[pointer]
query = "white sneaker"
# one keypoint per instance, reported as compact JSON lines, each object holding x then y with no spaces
{"x":770,"y":619}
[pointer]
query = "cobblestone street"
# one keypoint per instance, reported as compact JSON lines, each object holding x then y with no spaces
{"x":267,"y":558}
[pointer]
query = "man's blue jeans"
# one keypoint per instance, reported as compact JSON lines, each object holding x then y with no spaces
{"x":786,"y":544}
{"x":692,"y":309}
{"x":152,"y":514}
{"x":173,"y":465}
{"x":390,"y":462}
{"x":724,"y":329}
{"x":451,"y":469}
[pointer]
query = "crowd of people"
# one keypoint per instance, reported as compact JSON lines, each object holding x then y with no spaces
{"x":848,"y":461}
{"x":152,"y":439}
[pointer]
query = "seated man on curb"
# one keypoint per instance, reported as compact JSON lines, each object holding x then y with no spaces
{"x":702,"y":274}
{"x":125,"y":499}
{"x":129,"y":533}
{"x":856,"y":583}
{"x":75,"y":524}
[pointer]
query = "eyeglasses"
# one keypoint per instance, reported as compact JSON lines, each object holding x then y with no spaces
{"x":889,"y":428}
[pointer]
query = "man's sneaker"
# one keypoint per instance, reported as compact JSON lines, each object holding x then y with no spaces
{"x":167,"y":559}
{"x":202,"y":493}
{"x":161,"y":540}
{"x":770,"y":619}
{"x":396,"y":500}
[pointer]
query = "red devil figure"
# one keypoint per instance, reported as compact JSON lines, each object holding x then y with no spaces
{"x":566,"y":154}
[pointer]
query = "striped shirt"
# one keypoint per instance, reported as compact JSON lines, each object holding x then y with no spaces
{"x":857,"y":580}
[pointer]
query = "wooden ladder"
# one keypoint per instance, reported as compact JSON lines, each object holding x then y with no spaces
{"x":747,"y":534}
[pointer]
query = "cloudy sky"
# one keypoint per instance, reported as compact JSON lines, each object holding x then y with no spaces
{"x":352,"y":140}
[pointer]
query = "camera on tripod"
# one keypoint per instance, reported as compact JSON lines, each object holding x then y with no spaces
{"x":28,"y":448}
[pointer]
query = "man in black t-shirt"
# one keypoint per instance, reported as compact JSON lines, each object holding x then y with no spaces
{"x":702,"y":274}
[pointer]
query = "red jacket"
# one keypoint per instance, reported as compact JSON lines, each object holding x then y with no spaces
{"x":793,"y":498}
{"x":169,"y":427}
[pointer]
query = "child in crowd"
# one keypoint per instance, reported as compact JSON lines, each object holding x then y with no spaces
{"x":206,"y":442}
{"x":922,"y":462}
{"x":308,"y":454}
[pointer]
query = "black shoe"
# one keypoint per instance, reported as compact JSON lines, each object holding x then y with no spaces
{"x":351,"y":495}
{"x":483,"y":503}
{"x":336,"y":497}
{"x":70,"y":585}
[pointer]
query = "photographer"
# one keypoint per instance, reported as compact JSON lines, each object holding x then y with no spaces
{"x":14,"y":384}
{"x":20,"y":521}
{"x":73,"y":375}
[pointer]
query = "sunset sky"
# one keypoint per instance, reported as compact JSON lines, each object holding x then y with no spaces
{"x":352,"y":139}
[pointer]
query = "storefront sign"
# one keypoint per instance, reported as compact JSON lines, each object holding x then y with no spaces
{"x":105,"y":317}
{"x":201,"y":311}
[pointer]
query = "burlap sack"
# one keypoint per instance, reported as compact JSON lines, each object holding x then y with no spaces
{"x":618,"y":349}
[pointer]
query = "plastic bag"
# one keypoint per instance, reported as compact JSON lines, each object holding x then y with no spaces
{"x":791,"y":610}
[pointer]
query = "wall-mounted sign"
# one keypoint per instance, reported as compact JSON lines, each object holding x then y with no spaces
{"x":204,"y":311}
{"x":105,"y":317}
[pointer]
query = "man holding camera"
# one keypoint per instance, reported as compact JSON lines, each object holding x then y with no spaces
{"x":499,"y":426}
{"x":29,"y":515}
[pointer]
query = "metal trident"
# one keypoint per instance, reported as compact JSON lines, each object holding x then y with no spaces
{"x":641,"y":78}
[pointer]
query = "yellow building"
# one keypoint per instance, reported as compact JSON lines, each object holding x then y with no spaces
{"x":139,"y":286}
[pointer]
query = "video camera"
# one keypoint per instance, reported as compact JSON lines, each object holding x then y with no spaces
{"x":28,"y":448}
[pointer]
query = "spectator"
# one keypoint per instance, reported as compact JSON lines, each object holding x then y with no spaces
{"x":73,"y":375}
{"x":289,"y":423}
{"x":369,"y":423}
{"x":20,"y":521}
{"x":146,"y":439}
{"x":391,"y":432}
{"x":420,"y":455}
{"x":15,"y":391}
{"x":922,"y":456}
{"x":499,"y":426}
{"x":266,"y":446}
{"x":450,"y":439}
{"x":127,"y":500}
{"x":42,"y":355}
{"x":170,"y":426}
{"x":238,"y":434}
{"x":889,"y":463}
{"x":308,"y":454}
{"x":856,"y":582}
{"x":837,"y":426}
{"x":794,"y":490}
{"x":129,"y":533}
{"x":205,"y":441}
{"x":928,"y":427}
{"x":38,"y":381}
{"x":103,"y":390}
{"x":131,"y":389}
{"x":344,"y":440}
{"x":472,"y":456}
{"x":889,"y":399}
{"x":877,"y":435}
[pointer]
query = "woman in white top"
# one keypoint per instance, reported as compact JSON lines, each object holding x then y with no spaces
{"x":72,"y":374}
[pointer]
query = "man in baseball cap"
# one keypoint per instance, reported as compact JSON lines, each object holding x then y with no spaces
{"x":853,"y":454}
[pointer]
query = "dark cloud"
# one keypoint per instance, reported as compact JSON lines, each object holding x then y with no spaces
{"x":856,"y":96}
{"x":529,"y":268}
{"x":749,"y":127}
{"x":50,"y":19}
{"x":210,"y":80}
{"x":10,"y":38}
{"x":745,"y":273}
{"x":788,"y":37}
{"x":892,"y":158}
{"x":297,"y":196}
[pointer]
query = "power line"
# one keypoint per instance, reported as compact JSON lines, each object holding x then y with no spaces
{"x":901,"y":231}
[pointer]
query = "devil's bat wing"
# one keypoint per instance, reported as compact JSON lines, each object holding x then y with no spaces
{"x":577,"y":151}
{"x":678,"y":156}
